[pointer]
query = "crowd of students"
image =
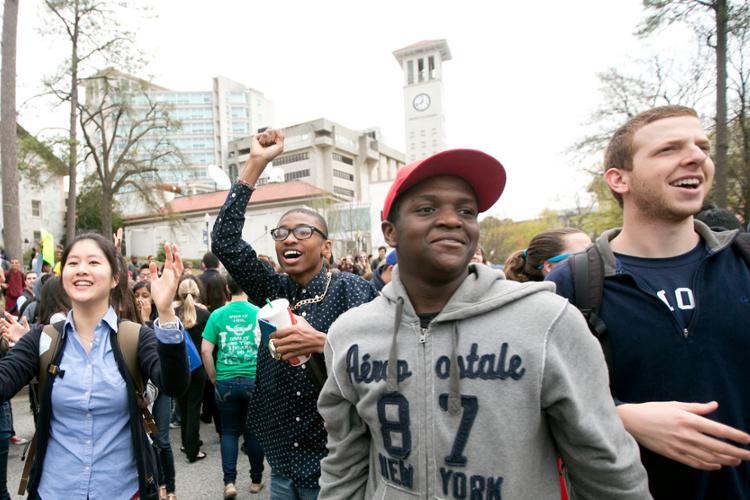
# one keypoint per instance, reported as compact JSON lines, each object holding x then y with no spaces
{"x":442,"y":376}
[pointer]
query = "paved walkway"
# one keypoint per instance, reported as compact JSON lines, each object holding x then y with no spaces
{"x":196,"y":481}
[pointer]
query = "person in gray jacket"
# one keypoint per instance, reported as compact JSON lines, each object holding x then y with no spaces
{"x":456,"y":383}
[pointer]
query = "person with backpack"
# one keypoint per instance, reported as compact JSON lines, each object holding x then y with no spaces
{"x":458,"y":383}
{"x":90,"y":440}
{"x":668,"y":299}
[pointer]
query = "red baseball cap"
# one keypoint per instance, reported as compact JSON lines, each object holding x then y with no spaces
{"x":483,"y":173}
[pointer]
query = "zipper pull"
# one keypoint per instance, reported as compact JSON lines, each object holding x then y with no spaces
{"x":422,"y":336}
{"x":685,"y":332}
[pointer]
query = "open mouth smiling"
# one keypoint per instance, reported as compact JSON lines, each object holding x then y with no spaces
{"x":687,"y":183}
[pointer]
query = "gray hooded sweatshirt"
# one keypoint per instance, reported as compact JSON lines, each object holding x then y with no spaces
{"x":477,"y":405}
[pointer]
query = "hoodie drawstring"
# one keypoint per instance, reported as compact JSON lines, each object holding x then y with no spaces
{"x":392,"y":375}
{"x":454,"y":396}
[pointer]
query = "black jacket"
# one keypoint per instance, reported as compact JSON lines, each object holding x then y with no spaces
{"x":165,"y":365}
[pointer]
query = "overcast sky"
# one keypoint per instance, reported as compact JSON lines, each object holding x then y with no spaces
{"x":520,"y":86}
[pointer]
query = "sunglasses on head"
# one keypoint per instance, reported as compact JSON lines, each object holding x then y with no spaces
{"x":555,"y":259}
{"x":301,"y":232}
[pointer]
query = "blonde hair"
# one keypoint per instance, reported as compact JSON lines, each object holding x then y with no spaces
{"x":186,"y":294}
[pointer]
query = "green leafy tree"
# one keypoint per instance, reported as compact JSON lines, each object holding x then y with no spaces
{"x":89,"y":202}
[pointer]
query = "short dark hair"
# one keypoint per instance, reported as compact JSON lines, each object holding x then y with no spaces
{"x":144,"y":266}
{"x":210,"y":261}
{"x":232,"y":285}
{"x":312,"y":213}
{"x":717,"y":218}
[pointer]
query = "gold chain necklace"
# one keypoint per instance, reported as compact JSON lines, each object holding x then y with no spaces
{"x":317,"y":298}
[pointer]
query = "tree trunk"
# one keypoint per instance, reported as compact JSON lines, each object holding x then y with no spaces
{"x":107,"y":211}
{"x":70,"y":215}
{"x":722,"y":139}
{"x":8,"y":157}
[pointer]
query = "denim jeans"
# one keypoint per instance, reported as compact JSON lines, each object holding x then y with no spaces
{"x":282,"y":488}
{"x":232,"y":399}
{"x":162,"y":410}
{"x":4,"y":445}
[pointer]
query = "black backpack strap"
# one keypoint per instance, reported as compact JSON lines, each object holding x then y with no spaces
{"x":587,"y":269}
{"x":742,"y":244}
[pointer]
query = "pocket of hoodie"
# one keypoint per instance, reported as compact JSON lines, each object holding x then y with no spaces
{"x":386,"y":491}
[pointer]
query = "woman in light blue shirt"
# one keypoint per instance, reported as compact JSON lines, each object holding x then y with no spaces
{"x":91,"y":442}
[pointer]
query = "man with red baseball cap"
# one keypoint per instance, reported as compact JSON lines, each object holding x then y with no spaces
{"x":479,"y":382}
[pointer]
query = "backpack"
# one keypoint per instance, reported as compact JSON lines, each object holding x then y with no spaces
{"x":587,"y":269}
{"x":127,"y":338}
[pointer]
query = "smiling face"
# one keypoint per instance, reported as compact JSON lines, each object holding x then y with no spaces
{"x":436,"y":230}
{"x":301,"y":259}
{"x":87,"y":276}
{"x":672,"y":170}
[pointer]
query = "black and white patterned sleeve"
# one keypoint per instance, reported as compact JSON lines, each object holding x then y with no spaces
{"x":237,"y":256}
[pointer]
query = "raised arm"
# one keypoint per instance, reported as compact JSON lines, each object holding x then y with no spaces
{"x":256,"y":278}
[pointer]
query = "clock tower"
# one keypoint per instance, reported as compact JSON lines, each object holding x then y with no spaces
{"x":422,"y":64}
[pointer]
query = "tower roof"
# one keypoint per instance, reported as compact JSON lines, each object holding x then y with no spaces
{"x":422,"y":47}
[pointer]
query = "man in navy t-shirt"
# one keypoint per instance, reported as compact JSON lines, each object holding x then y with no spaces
{"x":676,"y":303}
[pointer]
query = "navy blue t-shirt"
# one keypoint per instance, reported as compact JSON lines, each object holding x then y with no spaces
{"x":671,"y":279}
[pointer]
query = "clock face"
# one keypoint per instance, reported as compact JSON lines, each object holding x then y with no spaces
{"x":421,"y":102}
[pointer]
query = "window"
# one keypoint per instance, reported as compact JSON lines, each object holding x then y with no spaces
{"x":232,"y":171}
{"x":410,"y":72}
{"x":37,"y":236}
{"x":420,"y":69}
{"x":343,"y":191}
{"x":284,"y":160}
{"x":297,"y":174}
{"x":342,"y":158}
{"x":36,"y":208}
{"x":431,"y":67}
{"x":342,"y":175}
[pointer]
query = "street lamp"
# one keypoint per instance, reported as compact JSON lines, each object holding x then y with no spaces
{"x":207,"y":220}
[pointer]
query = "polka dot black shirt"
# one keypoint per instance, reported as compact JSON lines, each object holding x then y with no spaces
{"x":283,"y":412}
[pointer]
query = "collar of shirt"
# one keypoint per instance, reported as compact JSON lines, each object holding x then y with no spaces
{"x":110,"y":318}
{"x":315,"y":287}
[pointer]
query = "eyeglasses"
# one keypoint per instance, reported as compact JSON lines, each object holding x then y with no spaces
{"x":301,"y":232}
{"x":555,"y":259}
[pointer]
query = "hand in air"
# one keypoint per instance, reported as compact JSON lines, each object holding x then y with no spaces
{"x":13,"y":329}
{"x":163,"y":287}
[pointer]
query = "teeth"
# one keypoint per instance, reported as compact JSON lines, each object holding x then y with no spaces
{"x":290,"y":254}
{"x":687,"y":182}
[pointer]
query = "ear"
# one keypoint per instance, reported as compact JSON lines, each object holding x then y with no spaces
{"x":547,"y":267}
{"x":389,"y":233}
{"x":618,"y":180}
{"x":325,"y":249}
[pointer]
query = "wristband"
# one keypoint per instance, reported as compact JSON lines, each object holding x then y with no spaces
{"x":251,"y":187}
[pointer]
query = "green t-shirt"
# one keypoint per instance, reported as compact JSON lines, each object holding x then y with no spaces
{"x":232,"y":329}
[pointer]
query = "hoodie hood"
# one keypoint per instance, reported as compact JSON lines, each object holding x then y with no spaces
{"x":483,"y":290}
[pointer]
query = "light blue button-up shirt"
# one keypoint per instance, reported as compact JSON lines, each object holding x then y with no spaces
{"x":90,"y":453}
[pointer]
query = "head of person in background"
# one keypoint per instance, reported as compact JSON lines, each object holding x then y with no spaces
{"x":122,"y":298}
{"x":15,"y":265}
{"x":209,"y":261}
{"x":146,"y":308}
{"x":54,"y":302}
{"x":29,"y":281}
{"x":384,"y":273}
{"x":188,"y":295}
{"x":144,"y":274}
{"x":214,"y":292}
{"x":545,"y":251}
{"x":46,"y":267}
{"x":188,"y":268}
{"x":480,"y":257}
{"x":718,"y":219}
